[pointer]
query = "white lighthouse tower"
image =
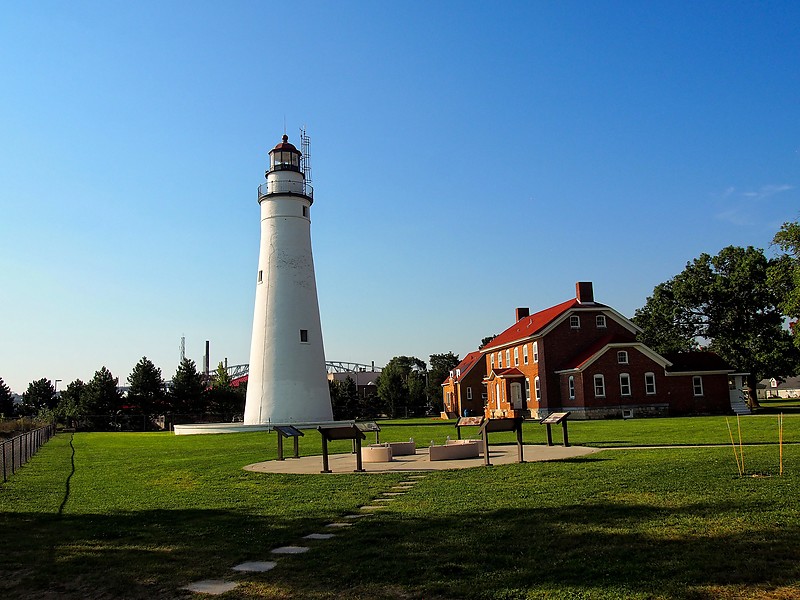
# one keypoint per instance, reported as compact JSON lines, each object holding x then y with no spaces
{"x":287,"y":381}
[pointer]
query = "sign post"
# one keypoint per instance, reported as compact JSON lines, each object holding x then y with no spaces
{"x":493,"y":425}
{"x":286,"y":431}
{"x":554,"y":419}
{"x":350,"y":432}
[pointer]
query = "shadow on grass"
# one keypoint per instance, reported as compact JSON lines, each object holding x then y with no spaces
{"x":604,"y":550}
{"x":596,"y":550}
{"x":148,"y":554}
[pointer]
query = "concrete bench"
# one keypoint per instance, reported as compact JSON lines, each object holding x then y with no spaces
{"x":403,"y":448}
{"x":456,"y":450}
{"x":376,"y":453}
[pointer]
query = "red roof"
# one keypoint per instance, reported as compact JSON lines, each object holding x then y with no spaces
{"x":578,"y":361}
{"x":528,"y":326}
{"x":285,"y":145}
{"x":464,"y":367}
{"x":512,"y":372}
{"x":689,"y":362}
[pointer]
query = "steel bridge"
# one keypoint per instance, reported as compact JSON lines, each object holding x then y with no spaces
{"x":331,"y":366}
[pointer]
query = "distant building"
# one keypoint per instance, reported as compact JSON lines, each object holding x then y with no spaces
{"x":582,"y":356}
{"x":366,"y":381}
{"x":773,"y":388}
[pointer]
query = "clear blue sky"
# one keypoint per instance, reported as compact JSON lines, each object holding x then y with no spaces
{"x":468,"y":158}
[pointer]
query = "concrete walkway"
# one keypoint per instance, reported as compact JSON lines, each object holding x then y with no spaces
{"x":346,"y":463}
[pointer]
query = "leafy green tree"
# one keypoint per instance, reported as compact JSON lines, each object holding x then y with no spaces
{"x":7,"y":408}
{"x":188,"y":392}
{"x":344,"y":399}
{"x":71,"y":403}
{"x":101,"y":399}
{"x":784,"y":274}
{"x":401,"y":387}
{"x":726,"y":302}
{"x":486,"y":340}
{"x":40,"y":395}
{"x":440,"y":367}
{"x":147,"y":389}
{"x":224,"y":399}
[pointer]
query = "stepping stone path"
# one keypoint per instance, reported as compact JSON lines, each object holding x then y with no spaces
{"x":211,"y":586}
{"x":291,"y":550}
{"x":319,"y":536}
{"x":256,"y":566}
{"x":220,"y":586}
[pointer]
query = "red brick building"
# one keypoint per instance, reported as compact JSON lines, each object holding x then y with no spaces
{"x":584,"y":357}
{"x":463,"y":390}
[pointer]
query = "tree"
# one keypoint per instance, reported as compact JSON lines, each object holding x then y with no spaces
{"x":440,"y":367}
{"x":784,"y":274}
{"x":6,"y":401}
{"x":344,"y":399}
{"x":188,"y":392}
{"x":40,"y":395}
{"x":71,"y":403}
{"x":101,"y":399}
{"x":147,"y":390}
{"x":486,"y":340}
{"x":224,"y":399}
{"x":724,"y":301}
{"x":401,"y":386}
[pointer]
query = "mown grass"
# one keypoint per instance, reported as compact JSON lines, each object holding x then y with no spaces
{"x":143,"y":514}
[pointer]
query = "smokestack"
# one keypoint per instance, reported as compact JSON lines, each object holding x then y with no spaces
{"x":521,"y":313}
{"x":584,"y":292}
{"x":206,"y":359}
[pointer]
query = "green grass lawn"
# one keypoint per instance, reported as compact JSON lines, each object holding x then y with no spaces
{"x":143,"y":514}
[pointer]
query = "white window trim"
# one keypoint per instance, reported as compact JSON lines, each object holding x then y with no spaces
{"x":600,"y":320}
{"x":469,"y":393}
{"x":500,"y":360}
{"x":571,"y":387}
{"x":525,"y":354}
{"x":646,"y":390}
{"x":537,"y":387}
{"x":574,"y":322}
{"x":508,"y":358}
{"x":602,"y":386}
{"x":527,"y":389}
{"x":697,"y":381}
{"x":627,"y":378}
{"x":536,"y":352}
{"x":622,"y":357}
{"x":491,"y":360}
{"x":516,"y":356}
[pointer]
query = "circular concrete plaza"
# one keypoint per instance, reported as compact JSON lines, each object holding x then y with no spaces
{"x":346,"y":463}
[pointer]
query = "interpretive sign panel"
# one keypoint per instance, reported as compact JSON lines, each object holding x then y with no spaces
{"x":468,"y":422}
{"x":495,"y":425}
{"x":554,"y":419}
{"x":288,"y":431}
{"x":350,"y":432}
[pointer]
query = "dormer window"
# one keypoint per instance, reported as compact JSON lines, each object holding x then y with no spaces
{"x":601,"y":321}
{"x":575,"y":322}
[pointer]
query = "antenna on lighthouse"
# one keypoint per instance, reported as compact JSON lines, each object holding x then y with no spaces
{"x":305,"y":158}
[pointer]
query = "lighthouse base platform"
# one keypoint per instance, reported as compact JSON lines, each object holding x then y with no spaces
{"x":207,"y":428}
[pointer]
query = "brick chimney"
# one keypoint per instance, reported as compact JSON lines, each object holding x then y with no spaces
{"x":584,"y":292}
{"x":523,"y":312}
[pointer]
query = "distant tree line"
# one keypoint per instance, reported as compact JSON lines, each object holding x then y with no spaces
{"x":149,"y":402}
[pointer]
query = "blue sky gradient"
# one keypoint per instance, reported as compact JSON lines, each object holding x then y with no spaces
{"x":468,"y":158}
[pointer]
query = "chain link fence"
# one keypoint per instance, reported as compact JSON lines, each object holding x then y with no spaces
{"x":18,"y":450}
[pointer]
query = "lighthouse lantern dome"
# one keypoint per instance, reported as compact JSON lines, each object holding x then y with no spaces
{"x":284,"y":156}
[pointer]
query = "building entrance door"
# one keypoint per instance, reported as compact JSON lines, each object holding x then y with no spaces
{"x":516,"y":396}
